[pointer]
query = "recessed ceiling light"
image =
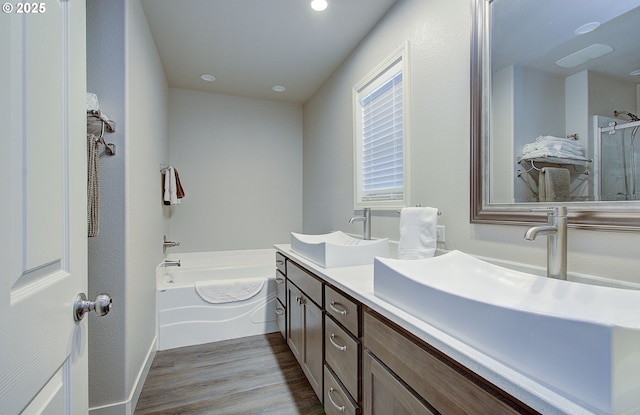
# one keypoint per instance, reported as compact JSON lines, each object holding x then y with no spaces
{"x":584,"y":55}
{"x":207,"y":77}
{"x":279,"y":88}
{"x":635,"y":73}
{"x":587,"y":27}
{"x":319,"y":5}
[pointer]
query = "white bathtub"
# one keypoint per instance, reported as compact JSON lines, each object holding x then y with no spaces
{"x":185,"y":319}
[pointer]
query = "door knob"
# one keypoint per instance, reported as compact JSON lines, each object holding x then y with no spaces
{"x":82,"y":306}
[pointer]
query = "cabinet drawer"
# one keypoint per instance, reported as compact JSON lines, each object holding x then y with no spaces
{"x":343,"y":310}
{"x":310,"y":285}
{"x":385,"y":394}
{"x":281,"y":289}
{"x":341,"y":354}
{"x":336,"y":400}
{"x":280,"y":263}
{"x":281,"y":318}
{"x":448,"y":386}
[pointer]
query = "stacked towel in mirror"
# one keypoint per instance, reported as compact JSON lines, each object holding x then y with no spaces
{"x":550,"y":146}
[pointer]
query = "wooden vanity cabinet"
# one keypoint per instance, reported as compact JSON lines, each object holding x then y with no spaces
{"x":359,"y":362}
{"x":304,"y":323}
{"x":399,"y":364}
{"x":384,"y":393}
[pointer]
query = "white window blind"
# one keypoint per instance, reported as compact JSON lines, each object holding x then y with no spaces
{"x":381,"y":136}
{"x":382,"y":142}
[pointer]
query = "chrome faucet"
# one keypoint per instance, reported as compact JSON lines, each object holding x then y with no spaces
{"x":169,"y":263}
{"x":168,"y":244}
{"x":556,"y":231}
{"x":366,"y":219}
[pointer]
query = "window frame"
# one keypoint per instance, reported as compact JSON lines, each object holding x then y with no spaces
{"x":380,"y":75}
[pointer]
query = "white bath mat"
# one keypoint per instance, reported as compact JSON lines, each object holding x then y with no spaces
{"x":228,"y":291}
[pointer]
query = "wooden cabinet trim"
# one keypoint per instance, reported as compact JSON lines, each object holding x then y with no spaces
{"x":344,"y":363}
{"x":331,"y":400}
{"x":344,"y":309}
{"x":281,"y":263}
{"x":304,"y":279}
{"x":281,"y":287}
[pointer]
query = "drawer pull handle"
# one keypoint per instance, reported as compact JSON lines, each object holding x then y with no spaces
{"x":338,"y":407}
{"x":279,"y":262}
{"x":333,"y":304}
{"x":279,"y":311}
{"x":336,"y":345}
{"x":279,"y":280}
{"x":300,"y":300}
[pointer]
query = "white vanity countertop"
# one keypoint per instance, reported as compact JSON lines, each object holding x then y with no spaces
{"x":357,"y":281}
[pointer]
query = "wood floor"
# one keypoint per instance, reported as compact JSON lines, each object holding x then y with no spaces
{"x":251,"y":375}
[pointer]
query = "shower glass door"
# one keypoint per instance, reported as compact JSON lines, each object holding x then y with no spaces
{"x":619,"y":159}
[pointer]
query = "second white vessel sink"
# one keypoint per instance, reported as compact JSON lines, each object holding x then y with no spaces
{"x":337,"y":249}
{"x":582,"y":341}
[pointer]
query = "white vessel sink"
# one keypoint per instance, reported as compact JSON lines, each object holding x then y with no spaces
{"x":337,"y":249}
{"x":582,"y":341}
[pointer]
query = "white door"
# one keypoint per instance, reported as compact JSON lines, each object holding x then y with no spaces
{"x":43,"y":351}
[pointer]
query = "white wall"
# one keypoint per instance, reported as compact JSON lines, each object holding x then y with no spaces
{"x":240,"y":163}
{"x":147,"y":146}
{"x":105,"y":77}
{"x":439,"y":32}
{"x":124,"y":69}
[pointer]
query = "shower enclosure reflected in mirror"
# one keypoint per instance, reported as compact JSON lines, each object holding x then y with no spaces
{"x":555,"y":97}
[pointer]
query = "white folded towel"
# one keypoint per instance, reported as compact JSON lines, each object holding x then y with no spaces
{"x":417,"y":232}
{"x":228,"y":291}
{"x":552,"y":153}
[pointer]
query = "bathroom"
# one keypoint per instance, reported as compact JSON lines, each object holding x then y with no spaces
{"x":291,"y":170}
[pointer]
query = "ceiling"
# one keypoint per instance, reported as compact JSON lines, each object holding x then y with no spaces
{"x":536,"y":33}
{"x":252,"y":45}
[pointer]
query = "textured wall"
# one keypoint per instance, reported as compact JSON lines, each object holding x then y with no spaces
{"x":240,"y":162}
{"x":439,"y":34}
{"x":124,"y":70}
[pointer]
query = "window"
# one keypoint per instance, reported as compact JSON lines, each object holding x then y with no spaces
{"x":380,"y":135}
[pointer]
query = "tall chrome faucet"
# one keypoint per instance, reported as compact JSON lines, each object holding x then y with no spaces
{"x":366,"y":222}
{"x":556,"y":231}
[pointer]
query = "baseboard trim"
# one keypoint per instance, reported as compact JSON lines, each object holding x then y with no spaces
{"x":128,"y":407}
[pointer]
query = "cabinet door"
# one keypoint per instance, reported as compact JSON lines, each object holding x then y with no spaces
{"x":295,"y":322}
{"x":313,"y":343}
{"x":384,"y":394}
{"x":304,"y":335}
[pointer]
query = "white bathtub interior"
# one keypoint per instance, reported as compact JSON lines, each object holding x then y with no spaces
{"x":185,"y":319}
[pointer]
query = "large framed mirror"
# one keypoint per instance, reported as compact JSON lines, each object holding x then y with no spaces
{"x":555,"y":93}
